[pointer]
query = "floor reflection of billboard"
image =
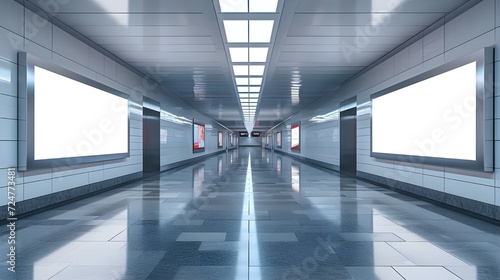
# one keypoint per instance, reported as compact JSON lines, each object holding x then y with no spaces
{"x":220,"y":166}
{"x":278,"y":166}
{"x":295,"y":178}
{"x":198,"y":180}
{"x":295,"y":145}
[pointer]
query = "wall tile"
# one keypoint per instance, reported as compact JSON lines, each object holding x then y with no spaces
{"x":96,"y":61}
{"x":467,"y":26}
{"x":435,"y":183}
{"x":433,"y":44}
{"x":38,"y":30}
{"x":8,"y":127}
{"x":10,"y":44}
{"x":9,"y":154}
{"x":484,"y":40}
{"x":70,"y":47}
{"x":38,"y":188}
{"x":4,"y":194}
{"x":11,"y":17}
{"x":8,"y":78}
{"x":69,"y":182}
{"x":470,"y":190}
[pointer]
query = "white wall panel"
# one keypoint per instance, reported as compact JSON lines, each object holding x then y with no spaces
{"x":69,"y":182}
{"x":70,"y":47}
{"x":37,"y":188}
{"x":8,"y":78}
{"x":4,"y":192}
{"x":10,"y":44}
{"x":37,"y":29}
{"x":470,"y":190}
{"x":434,"y":183}
{"x":485,"y":40}
{"x":433,"y":44}
{"x":476,"y":21}
{"x":11,"y":17}
{"x":37,"y":50}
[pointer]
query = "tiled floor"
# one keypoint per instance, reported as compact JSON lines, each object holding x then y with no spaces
{"x":252,"y":214}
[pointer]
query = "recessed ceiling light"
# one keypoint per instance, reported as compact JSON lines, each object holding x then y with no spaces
{"x":257,"y":70}
{"x":260,"y":31}
{"x":248,"y":81}
{"x":236,"y":31}
{"x":258,"y":54}
{"x":241,"y":70}
{"x":262,"y":6}
{"x":249,"y":95}
{"x":255,"y":81}
{"x":239,"y":54}
{"x":252,"y":70}
{"x":242,"y":55}
{"x":248,"y":89}
{"x":234,"y":6}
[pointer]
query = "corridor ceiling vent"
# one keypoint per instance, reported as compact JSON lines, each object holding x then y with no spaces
{"x":248,"y":29}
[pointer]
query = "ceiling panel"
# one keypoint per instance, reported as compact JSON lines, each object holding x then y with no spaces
{"x":181,"y":44}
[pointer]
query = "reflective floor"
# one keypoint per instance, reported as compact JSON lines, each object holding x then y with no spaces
{"x":253,"y":214}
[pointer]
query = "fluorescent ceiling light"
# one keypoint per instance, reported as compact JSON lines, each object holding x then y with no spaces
{"x":236,"y":31}
{"x":240,"y":70}
{"x":260,"y":31}
{"x":249,"y":100}
{"x":248,"y":81}
{"x":258,"y":54}
{"x":246,"y":70}
{"x":242,"y":89}
{"x":257,"y":70}
{"x":249,"y":95}
{"x":255,"y":81}
{"x":261,"y":6}
{"x":242,"y":81}
{"x":241,"y":54}
{"x":234,"y":6}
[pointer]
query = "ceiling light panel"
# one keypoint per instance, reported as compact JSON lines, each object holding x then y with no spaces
{"x":258,"y":54}
{"x":246,"y":70}
{"x":240,"y":70}
{"x":248,"y":81}
{"x":236,"y":31}
{"x":238,"y":54}
{"x":262,"y":6}
{"x":234,"y":6}
{"x":257,"y":70}
{"x":242,"y":89}
{"x":260,"y":31}
{"x":241,"y":54}
{"x":249,"y":95}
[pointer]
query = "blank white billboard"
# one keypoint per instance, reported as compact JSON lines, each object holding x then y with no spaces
{"x":73,"y":119}
{"x":435,"y":117}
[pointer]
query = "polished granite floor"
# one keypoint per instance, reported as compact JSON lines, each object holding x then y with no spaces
{"x":253,"y":214}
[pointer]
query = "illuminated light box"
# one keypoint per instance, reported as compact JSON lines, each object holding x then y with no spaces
{"x":295,"y":138}
{"x":278,"y":139}
{"x":443,"y":116}
{"x":219,"y":140}
{"x":67,"y":119}
{"x":198,"y":137}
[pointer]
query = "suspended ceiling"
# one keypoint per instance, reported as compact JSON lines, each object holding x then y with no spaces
{"x":316,"y":45}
